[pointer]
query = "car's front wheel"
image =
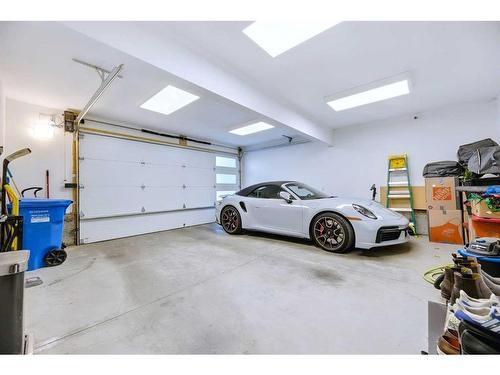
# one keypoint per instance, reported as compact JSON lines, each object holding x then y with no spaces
{"x":231,"y":220}
{"x":332,"y":232}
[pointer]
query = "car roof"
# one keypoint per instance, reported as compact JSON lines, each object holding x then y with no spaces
{"x":244,"y":192}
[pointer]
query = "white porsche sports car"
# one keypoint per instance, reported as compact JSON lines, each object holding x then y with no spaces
{"x":294,"y":209}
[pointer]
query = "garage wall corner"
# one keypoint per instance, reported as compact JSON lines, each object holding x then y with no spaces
{"x":50,"y":153}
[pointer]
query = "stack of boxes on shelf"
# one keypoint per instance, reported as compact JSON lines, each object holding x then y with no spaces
{"x":483,"y":221}
{"x":475,"y":204}
{"x":443,"y":210}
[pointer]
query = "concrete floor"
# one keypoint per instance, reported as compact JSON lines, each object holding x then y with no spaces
{"x":199,"y":290}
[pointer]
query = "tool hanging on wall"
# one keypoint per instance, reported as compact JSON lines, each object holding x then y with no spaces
{"x":11,"y":224}
{"x":399,"y":193}
{"x":373,"y":189}
{"x":5,"y":173}
{"x":11,"y":179}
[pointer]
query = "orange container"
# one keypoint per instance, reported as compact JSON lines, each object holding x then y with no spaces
{"x":483,"y":227}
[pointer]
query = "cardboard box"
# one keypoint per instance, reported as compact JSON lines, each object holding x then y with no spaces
{"x":445,"y":226}
{"x":483,"y":228}
{"x":440,"y":193}
{"x":418,"y":192}
{"x":480,"y":208}
{"x":422,"y":221}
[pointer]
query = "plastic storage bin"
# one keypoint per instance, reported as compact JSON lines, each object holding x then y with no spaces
{"x":42,"y":227}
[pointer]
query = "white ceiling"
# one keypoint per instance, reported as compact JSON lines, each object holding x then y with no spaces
{"x":449,"y":62}
{"x":36,"y":66}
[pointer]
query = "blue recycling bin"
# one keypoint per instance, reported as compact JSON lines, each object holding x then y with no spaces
{"x":43,"y":222}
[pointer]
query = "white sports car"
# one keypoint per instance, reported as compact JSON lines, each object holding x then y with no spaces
{"x":295,"y":209}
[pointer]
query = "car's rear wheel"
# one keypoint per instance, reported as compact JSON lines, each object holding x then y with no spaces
{"x":231,"y":220}
{"x":332,"y":232}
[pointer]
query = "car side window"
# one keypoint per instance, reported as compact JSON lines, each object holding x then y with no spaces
{"x":266,"y":192}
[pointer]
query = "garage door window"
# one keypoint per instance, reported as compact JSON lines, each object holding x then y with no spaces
{"x":226,"y":176}
{"x":222,"y":161}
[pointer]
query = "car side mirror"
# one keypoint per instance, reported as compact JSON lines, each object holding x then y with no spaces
{"x":286,"y":196}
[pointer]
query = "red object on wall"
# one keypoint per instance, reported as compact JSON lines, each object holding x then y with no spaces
{"x":47,"y":184}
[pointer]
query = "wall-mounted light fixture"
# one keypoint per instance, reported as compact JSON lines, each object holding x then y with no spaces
{"x":44,"y":127}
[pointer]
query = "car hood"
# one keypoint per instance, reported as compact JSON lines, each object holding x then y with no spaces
{"x":341,"y":203}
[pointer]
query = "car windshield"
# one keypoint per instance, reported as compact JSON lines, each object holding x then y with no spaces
{"x":306,"y":192}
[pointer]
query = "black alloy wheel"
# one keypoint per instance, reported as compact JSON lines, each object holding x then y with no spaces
{"x":231,"y":220}
{"x":332,"y":233}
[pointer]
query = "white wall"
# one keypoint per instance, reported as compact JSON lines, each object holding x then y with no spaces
{"x":358,"y":157}
{"x":46,"y":154}
{"x":2,"y":113}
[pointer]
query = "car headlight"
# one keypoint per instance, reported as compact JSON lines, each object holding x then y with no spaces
{"x":364,"y":211}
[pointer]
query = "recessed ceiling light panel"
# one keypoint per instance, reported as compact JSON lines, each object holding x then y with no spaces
{"x":372,"y":95}
{"x":278,"y":37}
{"x":169,"y":100}
{"x":252,"y":128}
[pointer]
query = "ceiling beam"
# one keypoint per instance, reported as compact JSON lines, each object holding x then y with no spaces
{"x":167,"y":54}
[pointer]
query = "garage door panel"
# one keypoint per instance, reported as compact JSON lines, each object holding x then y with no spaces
{"x":132,"y":187}
{"x":162,"y":175}
{"x":157,"y":154}
{"x":162,"y":198}
{"x":197,"y":159}
{"x":199,"y":197}
{"x":199,"y":177}
{"x":98,"y":147}
{"x":106,"y":229}
{"x":102,"y":201}
{"x":110,"y":173}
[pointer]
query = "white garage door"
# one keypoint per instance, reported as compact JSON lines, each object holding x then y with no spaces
{"x":130,"y":188}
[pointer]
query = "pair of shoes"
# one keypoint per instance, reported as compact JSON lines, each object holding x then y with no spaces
{"x":449,"y":343}
{"x":474,"y":305}
{"x":475,"y":340}
{"x":487,"y":318}
{"x":470,"y":282}
{"x":446,"y":285}
{"x":459,"y":260}
{"x":448,"y":281}
{"x":467,"y":276}
{"x":465,"y":299}
{"x":491,"y":282}
{"x":479,"y":328}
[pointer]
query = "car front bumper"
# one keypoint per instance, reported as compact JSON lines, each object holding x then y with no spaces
{"x":371,"y":234}
{"x":217,"y":214}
